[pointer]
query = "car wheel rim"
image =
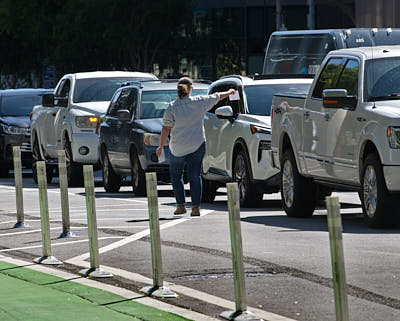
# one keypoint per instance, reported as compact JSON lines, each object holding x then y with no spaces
{"x":370,"y":191}
{"x":288,"y":184}
{"x":240,"y":176}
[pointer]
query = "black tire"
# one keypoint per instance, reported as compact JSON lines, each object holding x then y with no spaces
{"x":248,"y":194}
{"x":74,"y":170}
{"x":379,"y":206}
{"x":37,"y":157}
{"x":297,"y":192}
{"x":111,"y":181}
{"x":209,"y":191}
{"x":138,"y":176}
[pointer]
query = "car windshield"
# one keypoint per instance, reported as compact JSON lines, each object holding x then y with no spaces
{"x":154,"y":103}
{"x":259,"y":97}
{"x":19,"y":105}
{"x":98,"y":89}
{"x":382,"y":78}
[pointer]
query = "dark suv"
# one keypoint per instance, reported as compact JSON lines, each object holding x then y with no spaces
{"x":130,"y":132}
{"x":15,"y":108}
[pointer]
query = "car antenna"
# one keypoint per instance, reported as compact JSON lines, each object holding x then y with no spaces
{"x":374,"y":31}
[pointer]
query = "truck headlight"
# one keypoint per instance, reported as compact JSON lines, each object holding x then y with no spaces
{"x":259,"y":129}
{"x":152,"y":139}
{"x":15,"y":130}
{"x":393,"y":135}
{"x":86,"y":121}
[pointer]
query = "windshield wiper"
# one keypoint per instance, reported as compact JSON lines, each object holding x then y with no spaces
{"x":385,"y":97}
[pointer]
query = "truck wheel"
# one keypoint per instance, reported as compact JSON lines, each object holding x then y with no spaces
{"x":297,"y":192}
{"x":36,"y":157}
{"x":111,"y":181}
{"x":74,"y":170}
{"x":138,"y":177}
{"x":209,"y":191}
{"x":377,"y":203}
{"x":248,"y":194}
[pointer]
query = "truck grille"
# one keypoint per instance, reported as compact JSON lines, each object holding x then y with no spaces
{"x":26,"y":147}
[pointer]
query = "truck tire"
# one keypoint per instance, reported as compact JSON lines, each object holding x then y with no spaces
{"x":209,"y":191}
{"x":297,"y":192}
{"x":379,"y":206}
{"x":37,"y":157}
{"x":248,"y":194}
{"x":111,"y":181}
{"x":74,"y":170}
{"x":138,"y":176}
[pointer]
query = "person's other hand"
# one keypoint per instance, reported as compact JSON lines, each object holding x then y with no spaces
{"x":158,"y":151}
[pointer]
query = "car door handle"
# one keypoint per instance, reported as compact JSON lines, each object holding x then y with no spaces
{"x":277,"y":110}
{"x":361,"y":119}
{"x":327,"y":116}
{"x":306,"y":114}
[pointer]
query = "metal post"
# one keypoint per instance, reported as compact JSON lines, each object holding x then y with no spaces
{"x":237,"y":258}
{"x":18,"y":187}
{"x":278,"y":14}
{"x":94,"y":270}
{"x":337,"y":258}
{"x":311,"y":15}
{"x":47,"y":258}
{"x":62,"y":170}
{"x":157,"y":290}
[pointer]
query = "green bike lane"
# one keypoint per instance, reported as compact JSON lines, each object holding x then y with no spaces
{"x":26,"y":294}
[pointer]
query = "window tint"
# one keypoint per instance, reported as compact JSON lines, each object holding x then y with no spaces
{"x":349,"y":78}
{"x":328,"y":77}
{"x":112,"y":109}
{"x":19,"y":105}
{"x":65,"y":89}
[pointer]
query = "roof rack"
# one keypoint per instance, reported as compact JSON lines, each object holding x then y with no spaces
{"x":202,"y":81}
{"x":282,"y":76}
{"x":233,"y":76}
{"x":138,"y":82}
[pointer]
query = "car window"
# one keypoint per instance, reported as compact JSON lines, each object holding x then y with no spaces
{"x":328,"y":76}
{"x":223,"y":102}
{"x":349,"y":78}
{"x":154,"y":103}
{"x":259,"y":97}
{"x":112,"y":109}
{"x":19,"y":105}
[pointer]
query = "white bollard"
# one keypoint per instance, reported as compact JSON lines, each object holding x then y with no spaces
{"x":157,"y":290}
{"x":337,"y":258}
{"x":241,"y":312}
{"x":47,"y":257}
{"x":18,"y":187}
{"x":94,"y":271}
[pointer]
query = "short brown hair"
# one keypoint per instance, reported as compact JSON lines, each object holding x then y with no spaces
{"x":184,"y":85}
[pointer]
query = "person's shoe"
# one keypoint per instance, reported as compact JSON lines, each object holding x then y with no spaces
{"x":180,"y":209}
{"x":195,"y":211}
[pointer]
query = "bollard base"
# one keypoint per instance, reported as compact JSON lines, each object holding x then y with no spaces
{"x":95,"y":273}
{"x":20,"y":225}
{"x":159,"y":292}
{"x":240,"y":316}
{"x":49,"y":260}
{"x":67,"y":235}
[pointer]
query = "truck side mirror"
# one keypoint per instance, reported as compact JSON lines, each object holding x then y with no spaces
{"x":224,"y":112}
{"x":62,"y":101}
{"x":48,"y":100}
{"x":338,"y":98}
{"x":123,"y":115}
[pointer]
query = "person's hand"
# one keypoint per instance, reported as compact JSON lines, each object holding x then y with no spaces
{"x":231,"y":91}
{"x":158,"y":151}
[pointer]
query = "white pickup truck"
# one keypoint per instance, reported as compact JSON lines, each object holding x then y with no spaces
{"x":344,"y":135}
{"x":69,"y":118}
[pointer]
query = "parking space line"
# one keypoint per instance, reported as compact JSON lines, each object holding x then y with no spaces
{"x":57,"y":244}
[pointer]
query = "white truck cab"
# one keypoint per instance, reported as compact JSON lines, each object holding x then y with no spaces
{"x":345,"y":134}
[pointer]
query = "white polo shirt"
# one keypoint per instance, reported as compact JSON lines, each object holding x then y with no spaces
{"x":186,"y":117}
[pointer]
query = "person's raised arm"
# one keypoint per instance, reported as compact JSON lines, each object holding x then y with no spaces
{"x":224,"y":94}
{"x":164,"y":135}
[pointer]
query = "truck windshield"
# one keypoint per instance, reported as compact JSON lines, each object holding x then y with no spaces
{"x":19,"y":105}
{"x":382,"y":78}
{"x":295,"y":54}
{"x":154,"y":103}
{"x":259,"y":97}
{"x":98,"y":89}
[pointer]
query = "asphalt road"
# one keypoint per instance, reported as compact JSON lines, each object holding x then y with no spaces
{"x":287,"y":260}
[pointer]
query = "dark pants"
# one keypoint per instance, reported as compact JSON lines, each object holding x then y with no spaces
{"x":193,"y":163}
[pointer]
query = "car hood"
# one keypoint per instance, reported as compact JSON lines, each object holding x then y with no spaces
{"x":17,"y":121}
{"x":95,"y":107}
{"x":389,"y":109}
{"x":258,"y":119}
{"x":151,"y":125}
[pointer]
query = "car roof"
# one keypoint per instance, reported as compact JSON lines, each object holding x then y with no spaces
{"x":370,"y":52}
{"x":112,"y":74}
{"x":24,"y":91}
{"x":259,"y":80}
